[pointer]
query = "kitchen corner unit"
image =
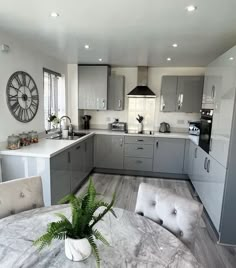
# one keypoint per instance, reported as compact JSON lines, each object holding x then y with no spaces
{"x":63,"y":165}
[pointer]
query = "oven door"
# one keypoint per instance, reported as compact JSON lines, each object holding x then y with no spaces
{"x":205,"y":134}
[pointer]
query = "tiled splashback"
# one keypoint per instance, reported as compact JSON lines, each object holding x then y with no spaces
{"x":144,"y":107}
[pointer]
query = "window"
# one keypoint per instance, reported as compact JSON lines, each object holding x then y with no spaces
{"x":54,"y":96}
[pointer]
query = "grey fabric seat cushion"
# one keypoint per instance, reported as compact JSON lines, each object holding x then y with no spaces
{"x":20,"y":195}
{"x":179,"y":215}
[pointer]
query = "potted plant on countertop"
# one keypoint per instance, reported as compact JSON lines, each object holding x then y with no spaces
{"x":79,"y":233}
{"x":140,"y":123}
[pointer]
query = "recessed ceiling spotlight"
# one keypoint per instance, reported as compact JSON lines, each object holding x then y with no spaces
{"x":231,"y":58}
{"x":191,"y":8}
{"x":168,"y":59}
{"x":86,"y":46}
{"x":100,"y":59}
{"x":54,"y":14}
{"x":175,"y":45}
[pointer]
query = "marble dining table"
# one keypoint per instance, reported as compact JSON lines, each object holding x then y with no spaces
{"x":135,"y":241}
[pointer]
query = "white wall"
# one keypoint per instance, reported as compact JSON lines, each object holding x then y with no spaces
{"x":179,"y":121}
{"x":21,"y":58}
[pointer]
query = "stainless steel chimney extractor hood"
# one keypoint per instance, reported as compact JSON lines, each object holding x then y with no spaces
{"x":142,"y":90}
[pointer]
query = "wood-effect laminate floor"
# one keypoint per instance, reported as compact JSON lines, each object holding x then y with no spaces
{"x":207,"y":251}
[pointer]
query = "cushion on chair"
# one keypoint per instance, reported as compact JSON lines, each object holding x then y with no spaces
{"x":20,"y":195}
{"x":177,"y":214}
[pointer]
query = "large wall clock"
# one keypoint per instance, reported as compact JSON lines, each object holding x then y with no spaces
{"x":22,"y":96}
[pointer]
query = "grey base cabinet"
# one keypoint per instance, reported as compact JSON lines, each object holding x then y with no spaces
{"x":109,"y":151}
{"x":138,"y":153}
{"x":169,"y":155}
{"x":208,"y":178}
{"x":60,"y":176}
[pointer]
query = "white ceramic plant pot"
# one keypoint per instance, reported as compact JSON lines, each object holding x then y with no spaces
{"x":140,"y":127}
{"x":77,"y":249}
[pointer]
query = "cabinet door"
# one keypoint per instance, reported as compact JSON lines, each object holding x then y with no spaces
{"x":169,"y":155}
{"x":88,"y":165}
{"x":116,"y":93}
{"x":168,"y":93}
{"x":199,"y":164}
{"x":191,"y":156}
{"x":60,"y":176}
{"x":93,"y":82}
{"x":212,"y":190}
{"x":77,"y":159}
{"x":223,"y":110}
{"x":189,"y":94}
{"x":109,"y":151}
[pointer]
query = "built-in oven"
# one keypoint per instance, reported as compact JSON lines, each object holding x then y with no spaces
{"x":205,"y":129}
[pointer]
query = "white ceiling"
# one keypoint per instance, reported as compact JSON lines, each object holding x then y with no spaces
{"x":124,"y":32}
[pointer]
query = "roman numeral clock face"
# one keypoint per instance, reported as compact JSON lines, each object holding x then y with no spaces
{"x":22,"y":96}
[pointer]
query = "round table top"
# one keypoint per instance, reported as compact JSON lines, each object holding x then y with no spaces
{"x":134,"y":241}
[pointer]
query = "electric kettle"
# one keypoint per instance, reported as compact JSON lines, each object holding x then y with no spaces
{"x":164,"y":127}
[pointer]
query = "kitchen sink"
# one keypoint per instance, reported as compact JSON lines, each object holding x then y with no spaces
{"x":75,"y":137}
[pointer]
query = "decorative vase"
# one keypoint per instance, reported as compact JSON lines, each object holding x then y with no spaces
{"x":77,"y":249}
{"x":140,"y":127}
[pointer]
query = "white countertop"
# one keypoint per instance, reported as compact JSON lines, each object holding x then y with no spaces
{"x":44,"y":148}
{"x":173,"y":135}
{"x":49,"y":147}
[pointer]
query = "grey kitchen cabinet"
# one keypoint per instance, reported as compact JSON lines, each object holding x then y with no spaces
{"x":93,"y":84}
{"x":76,"y":161}
{"x":116,"y":93}
{"x":69,"y":168}
{"x":191,"y":156}
{"x":137,"y":150}
{"x":109,"y":151}
{"x":189,"y":94}
{"x":181,"y":94}
{"x":168,"y":93}
{"x":169,"y":155}
{"x":208,"y":179}
{"x":81,"y":162}
{"x":138,"y":153}
{"x":88,"y":165}
{"x":138,"y":163}
{"x":60,"y":176}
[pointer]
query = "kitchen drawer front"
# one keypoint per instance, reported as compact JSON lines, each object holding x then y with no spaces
{"x":136,"y":163}
{"x":139,"y":140}
{"x":139,"y":150}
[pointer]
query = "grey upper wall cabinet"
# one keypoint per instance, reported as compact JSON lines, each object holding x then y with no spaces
{"x":116,"y":93}
{"x":181,"y":94}
{"x":189,"y":94}
{"x":168,"y":93}
{"x":93,"y":83}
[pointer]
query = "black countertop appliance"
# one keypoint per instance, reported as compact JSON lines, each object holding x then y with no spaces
{"x":86,"y":119}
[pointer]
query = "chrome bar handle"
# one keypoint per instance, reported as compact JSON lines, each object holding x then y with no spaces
{"x":205,"y":163}
{"x":210,"y":145}
{"x":208,"y":166}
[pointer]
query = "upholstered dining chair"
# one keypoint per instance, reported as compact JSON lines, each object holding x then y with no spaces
{"x":20,"y":195}
{"x":177,"y":214}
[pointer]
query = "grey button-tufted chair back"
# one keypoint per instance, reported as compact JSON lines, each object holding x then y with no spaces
{"x":20,"y":195}
{"x":177,"y":214}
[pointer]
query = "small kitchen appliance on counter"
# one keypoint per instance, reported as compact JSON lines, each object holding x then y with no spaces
{"x":86,"y":119}
{"x":164,"y":127}
{"x":194,"y":128}
{"x":118,"y":126}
